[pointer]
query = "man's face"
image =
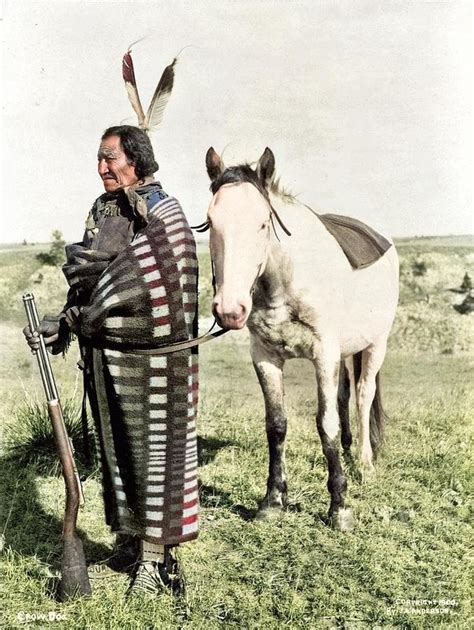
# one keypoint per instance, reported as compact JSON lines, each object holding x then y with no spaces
{"x":113,"y":167}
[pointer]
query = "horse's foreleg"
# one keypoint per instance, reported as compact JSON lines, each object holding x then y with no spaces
{"x":328,"y":428}
{"x":270,"y":375}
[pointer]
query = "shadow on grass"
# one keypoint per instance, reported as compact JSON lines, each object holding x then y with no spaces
{"x":28,"y":529}
{"x":351,"y":466}
{"x":208,"y":448}
{"x":211,"y":497}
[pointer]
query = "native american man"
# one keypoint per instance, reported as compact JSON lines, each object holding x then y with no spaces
{"x":133,"y":288}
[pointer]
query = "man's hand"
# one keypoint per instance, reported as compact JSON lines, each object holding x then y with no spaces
{"x":48,"y":327}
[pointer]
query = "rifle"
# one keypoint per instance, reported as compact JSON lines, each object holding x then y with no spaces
{"x":74,"y":577}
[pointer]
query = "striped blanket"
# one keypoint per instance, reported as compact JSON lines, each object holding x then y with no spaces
{"x":144,"y":406}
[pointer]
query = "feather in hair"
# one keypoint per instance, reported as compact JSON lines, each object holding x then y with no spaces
{"x":128,"y":74}
{"x":160,"y":98}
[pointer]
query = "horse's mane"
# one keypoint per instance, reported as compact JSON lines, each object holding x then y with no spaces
{"x":278,"y":190}
{"x":244,"y":173}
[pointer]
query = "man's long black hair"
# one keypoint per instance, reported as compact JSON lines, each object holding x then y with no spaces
{"x":136,"y":146}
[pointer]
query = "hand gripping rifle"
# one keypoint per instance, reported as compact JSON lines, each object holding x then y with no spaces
{"x":74,"y":577}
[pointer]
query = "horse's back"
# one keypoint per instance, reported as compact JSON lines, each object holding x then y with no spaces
{"x":355,"y":305}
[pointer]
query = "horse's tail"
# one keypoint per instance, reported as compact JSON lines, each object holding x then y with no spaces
{"x":378,"y":416}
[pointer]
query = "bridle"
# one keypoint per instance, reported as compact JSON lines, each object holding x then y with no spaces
{"x":205,"y":226}
{"x":178,"y":346}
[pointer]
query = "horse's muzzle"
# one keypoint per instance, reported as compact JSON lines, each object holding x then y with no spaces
{"x":233,"y":318}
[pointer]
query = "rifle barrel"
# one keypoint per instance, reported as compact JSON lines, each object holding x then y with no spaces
{"x":51,"y":389}
{"x":42,"y":354}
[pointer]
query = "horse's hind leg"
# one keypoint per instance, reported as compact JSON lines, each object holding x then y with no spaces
{"x":343,"y":397}
{"x":371,"y":416}
{"x":327,"y":419}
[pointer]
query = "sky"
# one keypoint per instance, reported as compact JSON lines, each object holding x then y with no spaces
{"x":366,"y":105}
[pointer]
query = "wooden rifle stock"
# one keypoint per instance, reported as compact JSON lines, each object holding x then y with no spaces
{"x":75,"y":580}
{"x":73,"y":488}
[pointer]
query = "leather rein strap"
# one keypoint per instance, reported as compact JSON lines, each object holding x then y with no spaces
{"x":175,"y":346}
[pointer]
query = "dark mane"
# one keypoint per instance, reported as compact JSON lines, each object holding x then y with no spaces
{"x":241,"y":174}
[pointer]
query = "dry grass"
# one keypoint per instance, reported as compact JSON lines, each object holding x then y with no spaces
{"x":409,"y":545}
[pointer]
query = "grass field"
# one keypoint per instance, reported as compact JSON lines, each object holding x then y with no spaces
{"x":406,"y":563}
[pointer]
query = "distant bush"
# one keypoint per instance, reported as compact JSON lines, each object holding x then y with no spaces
{"x":419,"y":268}
{"x":466,"y":284}
{"x":427,"y":327}
{"x":466,"y":306}
{"x":56,"y":255}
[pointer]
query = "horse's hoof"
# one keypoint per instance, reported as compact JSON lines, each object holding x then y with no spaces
{"x":367,"y":472}
{"x":343,"y":520}
{"x":269,"y":513}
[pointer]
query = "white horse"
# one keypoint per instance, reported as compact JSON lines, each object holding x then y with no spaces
{"x":300,"y":297}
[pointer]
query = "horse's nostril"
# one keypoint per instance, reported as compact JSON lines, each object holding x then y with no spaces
{"x":230,"y":313}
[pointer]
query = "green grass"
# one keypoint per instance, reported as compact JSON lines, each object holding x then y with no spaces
{"x":21,"y":271}
{"x":29,"y":438}
{"x":413,"y":521}
{"x":409,"y":543}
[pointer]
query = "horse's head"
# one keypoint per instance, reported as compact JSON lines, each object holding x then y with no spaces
{"x":239,"y":218}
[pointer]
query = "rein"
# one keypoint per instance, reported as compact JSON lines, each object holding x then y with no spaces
{"x":175,"y":346}
{"x":274,"y":213}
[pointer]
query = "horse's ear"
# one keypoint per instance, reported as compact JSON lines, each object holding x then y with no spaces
{"x":266,"y":167}
{"x":214,"y":164}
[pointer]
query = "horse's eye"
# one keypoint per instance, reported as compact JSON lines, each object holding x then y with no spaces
{"x":263,"y":226}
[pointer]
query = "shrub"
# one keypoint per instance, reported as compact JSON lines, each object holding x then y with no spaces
{"x":56,"y":255}
{"x":466,"y":306}
{"x":466,"y":284}
{"x":30,"y":438}
{"x":419,"y":268}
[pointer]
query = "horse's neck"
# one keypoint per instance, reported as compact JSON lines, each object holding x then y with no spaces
{"x":301,"y":221}
{"x":310,"y":252}
{"x":274,"y":284}
{"x":310,"y":242}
